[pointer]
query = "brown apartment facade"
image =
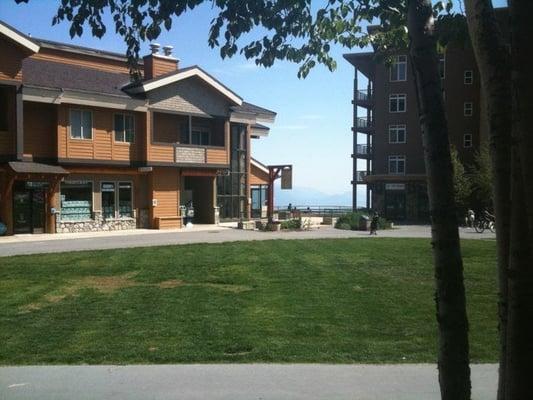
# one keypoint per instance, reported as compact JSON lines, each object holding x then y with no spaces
{"x":387,"y":138}
{"x":84,"y":149}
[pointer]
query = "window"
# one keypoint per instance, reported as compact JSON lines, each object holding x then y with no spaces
{"x":442,"y":65}
{"x":397,"y":133}
{"x":81,"y":124}
{"x":201,"y":136}
{"x":397,"y":165}
{"x":124,"y":128}
{"x":76,"y":200}
{"x":397,"y":103}
{"x":108,"y":199}
{"x":398,"y":69}
{"x":468,"y":109}
{"x":467,"y":140}
{"x":4,"y":110}
{"x":469,"y":77}
{"x":125,"y":204}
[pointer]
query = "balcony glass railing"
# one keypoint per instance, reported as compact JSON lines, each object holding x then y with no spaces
{"x":364,"y":122}
{"x":363,"y":95}
{"x":360,"y":175}
{"x":363,"y":149}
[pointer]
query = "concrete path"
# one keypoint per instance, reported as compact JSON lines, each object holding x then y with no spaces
{"x":236,"y":382}
{"x":45,"y":243}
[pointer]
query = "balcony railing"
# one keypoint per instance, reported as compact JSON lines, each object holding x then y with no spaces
{"x":363,"y":150}
{"x":363,"y":95}
{"x":361,"y":175}
{"x":364,"y":123}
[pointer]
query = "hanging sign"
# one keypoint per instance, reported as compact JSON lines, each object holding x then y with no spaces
{"x":286,"y":178}
{"x":395,"y":186}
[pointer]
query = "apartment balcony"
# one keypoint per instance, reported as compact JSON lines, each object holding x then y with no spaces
{"x":363,"y":98}
{"x":360,"y":177}
{"x":363,"y":151}
{"x":364,"y":125}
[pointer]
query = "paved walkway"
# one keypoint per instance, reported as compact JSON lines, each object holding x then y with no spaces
{"x":46,"y":243}
{"x":236,"y":382}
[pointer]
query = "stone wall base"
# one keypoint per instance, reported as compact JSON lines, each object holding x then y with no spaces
{"x":97,"y":224}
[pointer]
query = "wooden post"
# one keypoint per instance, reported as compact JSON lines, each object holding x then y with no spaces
{"x":52,"y":197}
{"x":248,"y":171}
{"x":20,"y":125}
{"x":6,"y":209}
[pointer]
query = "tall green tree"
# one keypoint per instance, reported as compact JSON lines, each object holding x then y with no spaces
{"x":462,"y":184}
{"x":302,"y":33}
{"x":482,"y":180}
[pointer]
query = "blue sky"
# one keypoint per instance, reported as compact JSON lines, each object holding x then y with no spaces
{"x":313,"y":127}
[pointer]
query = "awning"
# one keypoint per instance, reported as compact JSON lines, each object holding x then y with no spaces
{"x":23,"y":167}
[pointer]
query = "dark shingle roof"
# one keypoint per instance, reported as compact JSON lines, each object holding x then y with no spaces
{"x":65,"y":76}
{"x":23,"y":167}
{"x":249,"y":108}
{"x":260,"y":127}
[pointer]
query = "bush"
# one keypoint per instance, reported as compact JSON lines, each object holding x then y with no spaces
{"x":291,"y":224}
{"x":350,"y":221}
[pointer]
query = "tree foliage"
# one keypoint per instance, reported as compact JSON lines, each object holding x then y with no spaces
{"x":296,"y":30}
{"x":481,"y":178}
{"x":461,"y":183}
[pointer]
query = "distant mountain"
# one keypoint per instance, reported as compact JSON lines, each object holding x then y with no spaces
{"x":302,"y":196}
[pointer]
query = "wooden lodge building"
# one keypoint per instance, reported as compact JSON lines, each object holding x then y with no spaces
{"x":82,"y":148}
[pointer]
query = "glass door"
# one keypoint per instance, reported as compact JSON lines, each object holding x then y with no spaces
{"x":22,"y":221}
{"x":28,"y":207}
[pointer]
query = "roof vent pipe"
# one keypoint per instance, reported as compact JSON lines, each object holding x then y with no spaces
{"x":154,"y":47}
{"x":168,"y":50}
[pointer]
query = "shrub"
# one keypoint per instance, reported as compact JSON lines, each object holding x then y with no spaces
{"x":291,"y":224}
{"x":344,"y":226}
{"x":350,"y":221}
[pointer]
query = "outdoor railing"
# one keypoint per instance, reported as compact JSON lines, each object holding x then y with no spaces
{"x":361,"y":175}
{"x":363,"y":150}
{"x":363,"y":95}
{"x":317,"y":211}
{"x":364,"y":122}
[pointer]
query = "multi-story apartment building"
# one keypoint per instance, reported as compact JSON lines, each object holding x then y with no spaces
{"x":386,"y":130}
{"x":82,"y":148}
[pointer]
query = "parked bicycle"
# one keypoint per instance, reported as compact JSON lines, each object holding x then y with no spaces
{"x":487,"y":221}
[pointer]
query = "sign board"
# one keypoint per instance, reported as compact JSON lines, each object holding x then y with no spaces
{"x":108,"y":187}
{"x":395,"y":186}
{"x":286,"y":178}
{"x":36,"y":185}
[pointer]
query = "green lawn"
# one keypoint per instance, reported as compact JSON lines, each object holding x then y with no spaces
{"x":342,"y":301}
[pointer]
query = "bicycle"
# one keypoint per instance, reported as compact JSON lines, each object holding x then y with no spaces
{"x":481,"y":224}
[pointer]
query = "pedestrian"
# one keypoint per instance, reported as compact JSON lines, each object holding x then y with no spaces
{"x":374,"y":224}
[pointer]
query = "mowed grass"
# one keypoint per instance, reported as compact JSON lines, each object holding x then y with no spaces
{"x":328,"y":301}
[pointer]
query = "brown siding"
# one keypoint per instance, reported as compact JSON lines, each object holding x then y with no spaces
{"x":102,"y":146}
{"x":155,"y":66}
{"x":216,"y":156}
{"x":257,"y":176}
{"x":82,"y":60}
{"x":11,"y":64}
{"x":40,"y":126}
{"x":166,"y":191}
{"x":8,"y":138}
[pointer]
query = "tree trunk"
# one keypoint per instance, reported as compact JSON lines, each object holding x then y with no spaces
{"x":454,"y":371}
{"x":494,"y":64}
{"x":520,"y":309}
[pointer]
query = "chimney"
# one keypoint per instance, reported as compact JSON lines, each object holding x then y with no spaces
{"x":157,"y":64}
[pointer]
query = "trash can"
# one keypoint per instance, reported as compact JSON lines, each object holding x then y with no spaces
{"x":364,"y":223}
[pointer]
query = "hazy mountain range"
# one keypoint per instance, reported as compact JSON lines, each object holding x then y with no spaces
{"x":302,"y":196}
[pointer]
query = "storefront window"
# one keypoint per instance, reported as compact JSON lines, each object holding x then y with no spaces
{"x":125,"y":208}
{"x":108,"y":199}
{"x":76,"y":200}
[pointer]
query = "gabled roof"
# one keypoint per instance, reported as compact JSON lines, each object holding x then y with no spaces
{"x":180,"y":75}
{"x":256,"y":112}
{"x":18,"y":37}
{"x":259,"y":165}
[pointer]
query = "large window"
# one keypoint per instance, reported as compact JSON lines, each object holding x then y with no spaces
{"x":397,"y":133}
{"x":201,"y":136}
{"x":398,"y":69}
{"x":76,"y":200}
{"x":231,"y":187}
{"x":397,"y":165}
{"x":81,"y":124}
{"x":468,"y":109}
{"x":125,"y":203}
{"x":4,"y":109}
{"x":397,"y":103}
{"x":108,"y":199}
{"x":124,"y":127}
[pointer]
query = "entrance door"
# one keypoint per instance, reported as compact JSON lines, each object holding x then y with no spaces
{"x":395,"y":204}
{"x":28,"y":209}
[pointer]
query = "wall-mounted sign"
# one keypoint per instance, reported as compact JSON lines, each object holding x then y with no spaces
{"x":36,"y":185}
{"x":108,"y":187}
{"x":154,"y":202}
{"x":77,"y":182}
{"x":395,"y":186}
{"x":286,"y":178}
